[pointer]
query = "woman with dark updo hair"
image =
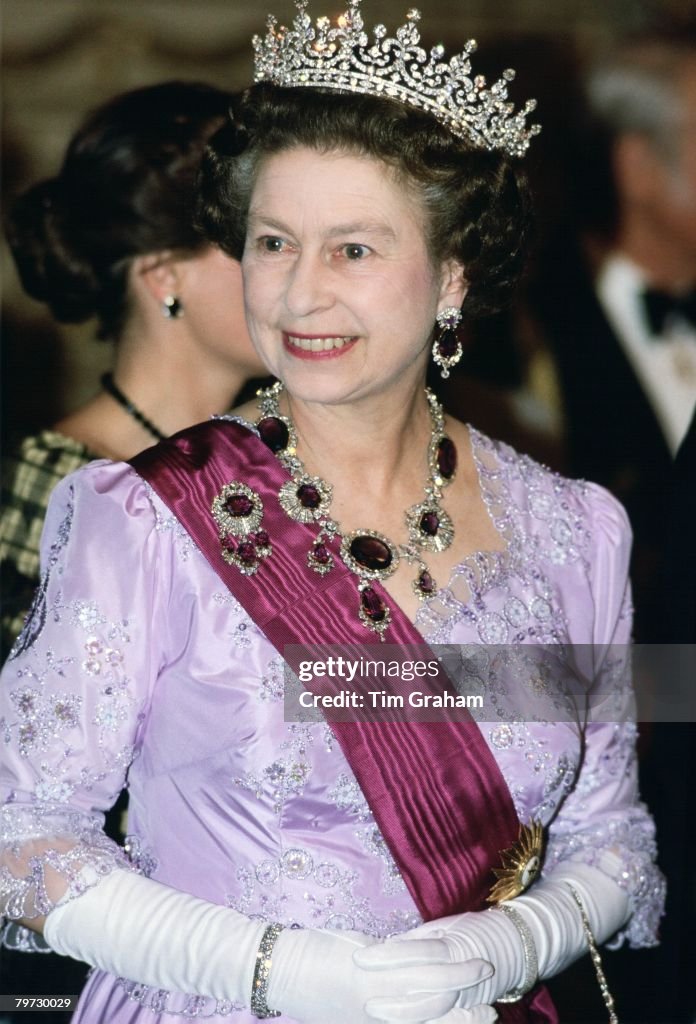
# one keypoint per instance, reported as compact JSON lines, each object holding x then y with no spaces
{"x":112,"y":237}
{"x":333,"y":822}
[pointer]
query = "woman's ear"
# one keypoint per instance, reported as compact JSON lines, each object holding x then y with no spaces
{"x":454,"y":286}
{"x":158,"y":273}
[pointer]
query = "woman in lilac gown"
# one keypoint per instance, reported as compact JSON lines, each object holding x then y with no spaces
{"x":268,"y":869}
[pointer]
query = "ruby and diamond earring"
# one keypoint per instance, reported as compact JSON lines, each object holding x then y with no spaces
{"x":447,"y":348}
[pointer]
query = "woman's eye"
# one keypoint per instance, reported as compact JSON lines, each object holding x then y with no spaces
{"x":355,"y":251}
{"x":269,"y":243}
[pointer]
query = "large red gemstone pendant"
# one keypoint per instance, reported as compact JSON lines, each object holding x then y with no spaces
{"x":370,"y":555}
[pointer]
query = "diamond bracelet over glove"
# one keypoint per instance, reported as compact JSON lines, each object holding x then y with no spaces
{"x":531,"y":964}
{"x":262,"y":971}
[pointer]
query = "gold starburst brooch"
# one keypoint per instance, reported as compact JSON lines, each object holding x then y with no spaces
{"x":521,"y":864}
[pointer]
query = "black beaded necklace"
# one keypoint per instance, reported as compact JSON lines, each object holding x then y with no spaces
{"x":108,"y":384}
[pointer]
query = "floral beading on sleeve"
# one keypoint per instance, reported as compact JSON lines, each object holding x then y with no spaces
{"x":603,"y":811}
{"x":75,"y":693}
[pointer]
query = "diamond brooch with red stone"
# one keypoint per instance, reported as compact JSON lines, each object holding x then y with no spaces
{"x":306,"y":499}
{"x":238,"y":511}
{"x":429,"y":526}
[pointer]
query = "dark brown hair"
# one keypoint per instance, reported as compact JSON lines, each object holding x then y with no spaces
{"x":126,"y":188}
{"x":476,"y":201}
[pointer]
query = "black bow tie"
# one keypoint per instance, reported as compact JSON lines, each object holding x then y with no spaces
{"x":660,"y":306}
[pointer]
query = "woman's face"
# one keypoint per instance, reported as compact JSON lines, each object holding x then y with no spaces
{"x":340,"y":292}
{"x":214,"y":310}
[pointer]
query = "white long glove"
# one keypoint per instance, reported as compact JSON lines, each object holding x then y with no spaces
{"x":477,"y":1015}
{"x":553,"y":918}
{"x":426,"y":985}
{"x":139,"y":929}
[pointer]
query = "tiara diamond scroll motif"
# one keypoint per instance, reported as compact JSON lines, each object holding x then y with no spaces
{"x":342,"y":58}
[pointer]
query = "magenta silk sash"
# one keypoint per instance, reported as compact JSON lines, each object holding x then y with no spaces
{"x":434,"y":788}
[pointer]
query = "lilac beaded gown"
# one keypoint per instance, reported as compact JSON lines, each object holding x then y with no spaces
{"x":136,"y":665}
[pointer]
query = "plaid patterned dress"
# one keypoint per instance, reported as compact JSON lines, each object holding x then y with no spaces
{"x":30,"y":471}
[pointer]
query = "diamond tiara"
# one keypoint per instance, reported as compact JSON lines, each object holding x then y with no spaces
{"x":342,"y":58}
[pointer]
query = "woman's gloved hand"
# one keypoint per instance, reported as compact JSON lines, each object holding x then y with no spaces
{"x":466,"y":938}
{"x":315,"y":979}
{"x":476,"y":1015}
{"x":147,"y":932}
{"x":552,"y":918}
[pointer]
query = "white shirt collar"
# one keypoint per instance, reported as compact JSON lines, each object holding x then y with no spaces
{"x":666,"y":369}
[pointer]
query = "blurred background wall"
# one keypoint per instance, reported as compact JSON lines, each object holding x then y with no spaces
{"x":62,"y":57}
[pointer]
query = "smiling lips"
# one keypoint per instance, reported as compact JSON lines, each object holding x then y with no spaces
{"x":317,"y":346}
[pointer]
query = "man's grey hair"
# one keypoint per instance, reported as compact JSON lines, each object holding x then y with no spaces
{"x":636,"y":90}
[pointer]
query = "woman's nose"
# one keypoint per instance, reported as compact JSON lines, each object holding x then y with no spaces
{"x":309,"y":285}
